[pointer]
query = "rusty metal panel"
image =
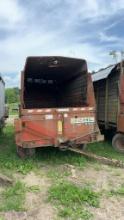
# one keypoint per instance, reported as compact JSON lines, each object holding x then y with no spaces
{"x":107,"y":100}
{"x":58,"y":103}
{"x":120,"y":127}
{"x":58,"y":126}
{"x":120,"y":122}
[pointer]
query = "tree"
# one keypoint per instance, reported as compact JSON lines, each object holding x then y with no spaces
{"x":12,"y":95}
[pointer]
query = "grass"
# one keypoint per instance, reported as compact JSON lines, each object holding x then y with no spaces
{"x":47,"y":156}
{"x":75,"y":213}
{"x":34,"y":188}
{"x":119,"y":191}
{"x":53,"y":156}
{"x":8,"y":157}
{"x":68,"y":193}
{"x":71,"y":198}
{"x":105,"y":149}
{"x":2,"y":218}
{"x":12,"y":198}
{"x":57,"y":174}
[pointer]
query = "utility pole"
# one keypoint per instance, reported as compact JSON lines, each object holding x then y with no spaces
{"x":118,"y":56}
{"x":121,"y":62}
{"x":114,"y":54}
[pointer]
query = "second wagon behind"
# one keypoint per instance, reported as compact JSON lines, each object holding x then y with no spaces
{"x":109,"y":92}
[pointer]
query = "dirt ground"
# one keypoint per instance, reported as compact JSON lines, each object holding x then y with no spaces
{"x":104,"y":179}
{"x":99,"y":177}
{"x":36,"y":206}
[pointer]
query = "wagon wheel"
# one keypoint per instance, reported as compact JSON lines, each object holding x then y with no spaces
{"x":21,"y":152}
{"x":118,"y":142}
{"x":30,"y":152}
{"x":1,"y":126}
{"x":1,"y":130}
{"x":82,"y":146}
{"x":25,"y":152}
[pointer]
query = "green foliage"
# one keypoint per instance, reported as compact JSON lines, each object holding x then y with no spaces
{"x":12,"y":95}
{"x":70,"y":200}
{"x":13,"y":197}
{"x":13,"y":108}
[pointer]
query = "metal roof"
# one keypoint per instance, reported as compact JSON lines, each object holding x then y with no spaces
{"x":103,"y":73}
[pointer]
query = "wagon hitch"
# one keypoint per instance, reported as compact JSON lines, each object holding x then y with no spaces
{"x":71,"y":145}
{"x":72,"y":142}
{"x":66,"y":144}
{"x":103,"y":160}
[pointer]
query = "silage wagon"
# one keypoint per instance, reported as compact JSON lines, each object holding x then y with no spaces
{"x":109,"y":92}
{"x":57,"y":105}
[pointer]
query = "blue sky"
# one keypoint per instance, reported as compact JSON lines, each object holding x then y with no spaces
{"x":88,"y":29}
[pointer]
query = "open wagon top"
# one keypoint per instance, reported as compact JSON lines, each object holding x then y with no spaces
{"x":54,"y":67}
{"x":54,"y":81}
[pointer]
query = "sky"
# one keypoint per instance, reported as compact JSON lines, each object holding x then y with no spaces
{"x":87,"y":29}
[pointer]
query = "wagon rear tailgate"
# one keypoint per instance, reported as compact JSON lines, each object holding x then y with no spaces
{"x":46,"y":126}
{"x":79,"y":122}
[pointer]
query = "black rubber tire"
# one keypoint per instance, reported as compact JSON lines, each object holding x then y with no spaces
{"x":25,"y":152}
{"x":30,"y":152}
{"x":21,"y":152}
{"x":63,"y":147}
{"x":82,"y":146}
{"x":118,"y":142}
{"x":2,"y":124}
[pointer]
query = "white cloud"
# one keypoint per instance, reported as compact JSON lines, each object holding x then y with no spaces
{"x":117,"y":4}
{"x":10,"y":13}
{"x":106,"y":38}
{"x":48,"y":27}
